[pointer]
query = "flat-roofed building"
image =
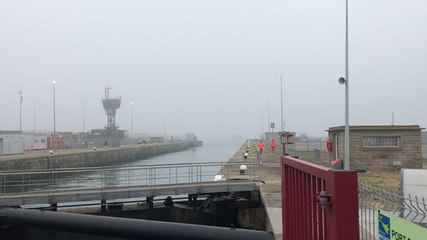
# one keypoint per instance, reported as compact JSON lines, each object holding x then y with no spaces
{"x":379,"y":146}
{"x":11,"y":144}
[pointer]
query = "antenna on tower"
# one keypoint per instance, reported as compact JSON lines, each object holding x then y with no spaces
{"x":107,"y":91}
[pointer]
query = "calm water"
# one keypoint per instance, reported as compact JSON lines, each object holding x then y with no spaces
{"x":209,"y":152}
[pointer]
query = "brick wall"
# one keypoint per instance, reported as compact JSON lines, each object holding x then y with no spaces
{"x":408,"y":153}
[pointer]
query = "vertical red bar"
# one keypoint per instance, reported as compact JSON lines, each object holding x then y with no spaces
{"x":314,"y":210}
{"x":284,"y":202}
{"x":344,"y":206}
{"x":300,"y":210}
{"x":293,"y":198}
{"x":311,"y":219}
{"x":320,"y":212}
{"x":305,"y":203}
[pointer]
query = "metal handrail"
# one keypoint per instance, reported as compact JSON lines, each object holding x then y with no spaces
{"x":15,"y":182}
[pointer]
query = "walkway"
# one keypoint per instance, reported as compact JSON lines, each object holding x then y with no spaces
{"x":268,"y":171}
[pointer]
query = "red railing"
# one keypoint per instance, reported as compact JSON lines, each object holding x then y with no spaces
{"x":318,"y":203}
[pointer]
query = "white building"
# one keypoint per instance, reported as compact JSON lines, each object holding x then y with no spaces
{"x":11,"y":144}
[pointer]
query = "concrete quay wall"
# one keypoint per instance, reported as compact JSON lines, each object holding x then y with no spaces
{"x":90,"y":158}
{"x":266,"y":169}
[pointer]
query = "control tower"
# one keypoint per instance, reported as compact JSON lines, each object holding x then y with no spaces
{"x":111,"y":105}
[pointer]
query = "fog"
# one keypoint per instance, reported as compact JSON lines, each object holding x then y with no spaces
{"x":212,"y":67}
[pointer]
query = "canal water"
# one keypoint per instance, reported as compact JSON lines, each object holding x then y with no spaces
{"x":142,"y":172}
{"x":214,"y":151}
{"x":148,"y":172}
{"x":138,"y":173}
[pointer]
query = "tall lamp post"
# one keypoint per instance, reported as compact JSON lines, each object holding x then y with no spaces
{"x":281,"y":106}
{"x":20,"y":111}
{"x":344,"y":80}
{"x":268,"y":116}
{"x":54,"y":116}
{"x":83,"y":116}
{"x":164,"y":126}
{"x":131,"y":120}
{"x":34,"y":102}
{"x":282,"y":130}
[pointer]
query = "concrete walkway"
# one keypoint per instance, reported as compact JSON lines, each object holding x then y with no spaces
{"x":268,"y":171}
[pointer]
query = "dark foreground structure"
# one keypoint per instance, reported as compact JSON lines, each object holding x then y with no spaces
{"x":93,"y":227}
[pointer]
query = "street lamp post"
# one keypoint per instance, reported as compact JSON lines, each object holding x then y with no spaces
{"x":347,"y":127}
{"x":345,"y":80}
{"x":54,"y":116}
{"x":164,"y":126}
{"x":281,"y":116}
{"x":83,"y":116}
{"x":281,"y":105}
{"x":20,"y":111}
{"x":131,"y":120}
{"x":268,"y":116}
{"x":34,"y":127}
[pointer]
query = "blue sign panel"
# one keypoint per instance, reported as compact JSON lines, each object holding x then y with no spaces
{"x":383,"y":227}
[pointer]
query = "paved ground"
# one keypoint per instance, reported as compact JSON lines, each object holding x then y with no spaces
{"x":267,"y":171}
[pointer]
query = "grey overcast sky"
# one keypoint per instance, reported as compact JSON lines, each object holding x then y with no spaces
{"x":212,"y":65}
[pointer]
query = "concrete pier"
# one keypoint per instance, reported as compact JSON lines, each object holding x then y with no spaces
{"x":269,"y":172}
{"x":80,"y":158}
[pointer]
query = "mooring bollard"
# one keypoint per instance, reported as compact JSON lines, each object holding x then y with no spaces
{"x":243,"y":169}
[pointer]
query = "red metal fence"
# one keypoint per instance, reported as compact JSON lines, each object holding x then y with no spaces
{"x":318,"y":203}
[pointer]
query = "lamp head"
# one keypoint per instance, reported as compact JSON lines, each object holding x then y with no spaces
{"x":341,"y":80}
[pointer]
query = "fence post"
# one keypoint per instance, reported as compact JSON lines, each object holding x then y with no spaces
{"x":343,"y":215}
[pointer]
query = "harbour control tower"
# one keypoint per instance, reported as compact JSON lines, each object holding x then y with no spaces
{"x":111,"y":105}
{"x":110,"y":135}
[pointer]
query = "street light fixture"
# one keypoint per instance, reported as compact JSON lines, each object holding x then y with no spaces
{"x":54,"y":117}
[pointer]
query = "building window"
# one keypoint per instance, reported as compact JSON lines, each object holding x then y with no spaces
{"x":381,"y":141}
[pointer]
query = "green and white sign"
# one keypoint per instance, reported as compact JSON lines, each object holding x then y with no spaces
{"x":392,"y":227}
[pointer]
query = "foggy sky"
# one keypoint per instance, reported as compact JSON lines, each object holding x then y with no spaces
{"x":212,"y":65}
